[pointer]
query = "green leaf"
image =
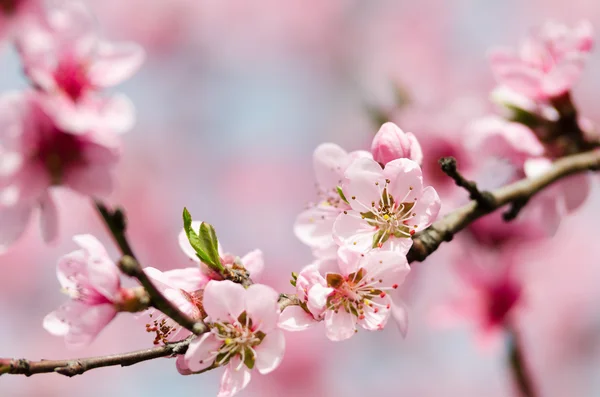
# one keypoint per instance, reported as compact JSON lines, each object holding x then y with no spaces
{"x":380,"y":237}
{"x":205,"y":242}
{"x":249,"y":358}
{"x":341,"y":193}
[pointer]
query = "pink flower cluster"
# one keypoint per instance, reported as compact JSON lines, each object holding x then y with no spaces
{"x":360,"y":232}
{"x":63,"y":132}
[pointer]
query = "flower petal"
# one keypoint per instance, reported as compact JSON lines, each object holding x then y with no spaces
{"x":400,"y":316}
{"x":102,"y":272}
{"x":294,"y":318}
{"x":254,"y":262}
{"x":313,"y":227}
{"x":270,"y":352}
{"x":330,"y":162}
{"x":406,"y":180}
{"x":235,"y":378}
{"x":262,"y":307}
{"x":185,"y":245}
{"x":364,"y":181}
{"x":340,"y":326}
{"x":352,"y":231}
{"x":426,"y":209}
{"x":224,"y":300}
{"x":115,"y":63}
{"x":202,"y":352}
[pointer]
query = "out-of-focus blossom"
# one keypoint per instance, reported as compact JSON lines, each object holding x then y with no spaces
{"x":253,"y":261}
{"x":64,"y":56}
{"x":37,"y":155}
{"x":15,"y":13}
{"x":391,"y":143}
{"x":183,"y":287}
{"x":548,"y":62}
{"x":243,"y":334}
{"x":388,"y":206}
{"x":314,"y":226}
{"x":91,"y":279}
{"x":490,"y":291}
{"x":349,"y":291}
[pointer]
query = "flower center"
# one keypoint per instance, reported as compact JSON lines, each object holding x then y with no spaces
{"x":239,"y":339}
{"x":71,"y":77}
{"x":58,"y":150}
{"x":390,"y":217}
{"x":355,"y":293}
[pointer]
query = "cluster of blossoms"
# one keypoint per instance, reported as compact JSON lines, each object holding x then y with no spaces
{"x":64,"y":131}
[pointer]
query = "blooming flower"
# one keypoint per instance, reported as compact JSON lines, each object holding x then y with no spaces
{"x":183,"y":287}
{"x":548,"y":63}
{"x":36,"y":155}
{"x":348,"y":291}
{"x":388,"y":205}
{"x":65,"y":57}
{"x":391,"y":143}
{"x":91,"y":279}
{"x":243,"y":334}
{"x":252,"y":262}
{"x":314,"y":226}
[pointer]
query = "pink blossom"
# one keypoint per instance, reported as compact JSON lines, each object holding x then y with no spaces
{"x":391,"y":143}
{"x":36,"y":155}
{"x":349,"y":291}
{"x":243,"y":334}
{"x":388,"y":206}
{"x":314,"y":225}
{"x":183,"y":287}
{"x":548,"y":63}
{"x":65,"y":57}
{"x":253,"y":261}
{"x":91,"y":279}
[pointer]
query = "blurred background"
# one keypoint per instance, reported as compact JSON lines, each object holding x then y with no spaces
{"x":231,"y":103}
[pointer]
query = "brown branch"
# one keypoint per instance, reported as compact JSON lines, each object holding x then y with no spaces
{"x":518,"y":366}
{"x":116,"y":224}
{"x":81,"y":365}
{"x":428,"y":240}
{"x":483,"y":198}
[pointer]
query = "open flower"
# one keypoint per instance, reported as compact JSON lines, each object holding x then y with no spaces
{"x":391,"y":143}
{"x":350,"y":291}
{"x":64,"y":56}
{"x":314,"y":225}
{"x":388,"y":206}
{"x":252,"y":262}
{"x":91,"y":279}
{"x":183,"y":287}
{"x":548,"y":63}
{"x":36,"y":155}
{"x":243,"y":334}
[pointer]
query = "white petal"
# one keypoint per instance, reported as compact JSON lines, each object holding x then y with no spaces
{"x":270,"y":352}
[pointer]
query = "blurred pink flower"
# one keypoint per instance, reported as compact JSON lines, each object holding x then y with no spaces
{"x":64,"y":56}
{"x":37,"y":155}
{"x":548,"y":63}
{"x":314,"y":226}
{"x":391,"y":143}
{"x":489,"y":293}
{"x":243,"y":334}
{"x":388,"y":206}
{"x":91,"y":279}
{"x":183,"y":288}
{"x":349,"y":291}
{"x":253,"y":261}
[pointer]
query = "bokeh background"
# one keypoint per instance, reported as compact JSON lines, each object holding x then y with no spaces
{"x":233,"y":99}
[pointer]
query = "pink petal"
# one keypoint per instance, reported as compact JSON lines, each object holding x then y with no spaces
{"x":224,"y":300}
{"x":235,"y":378}
{"x":294,"y":318}
{"x":48,"y":218}
{"x":14,"y":221}
{"x":317,"y":298}
{"x":363,"y":184}
{"x":348,"y":261}
{"x":188,"y":279}
{"x":202,"y":352}
{"x":406,"y":179}
{"x":400,"y":316}
{"x":115,"y":63}
{"x":398,"y":245}
{"x":185,"y":245}
{"x":88,"y":325}
{"x":329,"y":162}
{"x":313,"y":226}
{"x":576,"y":189}
{"x":375,"y":320}
{"x":270,"y":352}
{"x":254,"y":262}
{"x":103,"y":274}
{"x":426,"y":209}
{"x":340,"y":326}
{"x":91,"y":180}
{"x":416,"y":152}
{"x":352,"y":231}
{"x":387,"y":266}
{"x":262,"y":307}
{"x":182,"y":367}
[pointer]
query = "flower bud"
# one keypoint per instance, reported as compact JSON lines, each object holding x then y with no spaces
{"x":392,"y":143}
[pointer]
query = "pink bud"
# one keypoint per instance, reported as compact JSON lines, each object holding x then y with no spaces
{"x":392,"y":143}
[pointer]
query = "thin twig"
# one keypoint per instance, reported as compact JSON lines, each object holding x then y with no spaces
{"x":81,"y":365}
{"x":428,"y":240}
{"x":483,"y":198}
{"x":518,"y":366}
